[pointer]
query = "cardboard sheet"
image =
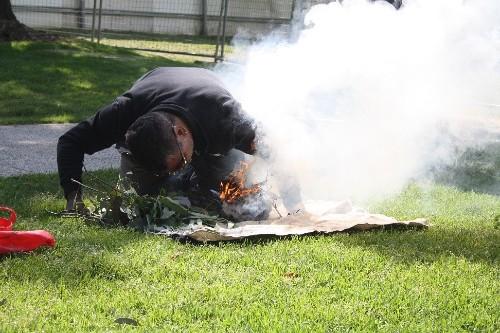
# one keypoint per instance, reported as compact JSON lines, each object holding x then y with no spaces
{"x":340,"y":217}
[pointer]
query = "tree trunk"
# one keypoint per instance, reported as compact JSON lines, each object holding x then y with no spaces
{"x":6,"y":12}
{"x":11,"y":29}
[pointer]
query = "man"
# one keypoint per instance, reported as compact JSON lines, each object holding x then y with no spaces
{"x":170,"y":117}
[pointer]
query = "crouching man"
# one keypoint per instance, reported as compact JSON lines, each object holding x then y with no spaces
{"x":172,"y":125}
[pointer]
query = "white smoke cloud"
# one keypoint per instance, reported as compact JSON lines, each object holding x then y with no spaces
{"x":355,"y":107}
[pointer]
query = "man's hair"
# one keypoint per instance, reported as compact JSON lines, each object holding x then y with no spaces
{"x":150,"y":139}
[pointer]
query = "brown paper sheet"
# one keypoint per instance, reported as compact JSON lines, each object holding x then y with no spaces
{"x":298,"y":224}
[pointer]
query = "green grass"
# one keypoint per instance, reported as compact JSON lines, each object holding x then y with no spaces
{"x":201,"y":45}
{"x":192,"y":44}
{"x":67,"y":81}
{"x":445,"y":279}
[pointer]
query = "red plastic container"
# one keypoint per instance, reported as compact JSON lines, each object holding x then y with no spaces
{"x":21,"y":241}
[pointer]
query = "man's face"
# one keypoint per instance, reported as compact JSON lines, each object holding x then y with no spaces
{"x":183,"y":155}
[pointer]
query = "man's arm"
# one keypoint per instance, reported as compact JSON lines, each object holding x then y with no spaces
{"x":102,"y":130}
{"x":288,"y":185}
{"x":245,"y":137}
{"x":240,"y":128}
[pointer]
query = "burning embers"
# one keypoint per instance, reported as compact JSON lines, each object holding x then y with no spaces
{"x":244,"y":203}
{"x":233,"y":188}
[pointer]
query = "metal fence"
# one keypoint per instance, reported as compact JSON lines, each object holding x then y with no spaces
{"x":191,"y":27}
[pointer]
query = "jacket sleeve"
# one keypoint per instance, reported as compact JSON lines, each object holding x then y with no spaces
{"x":104,"y":129}
{"x":242,"y":128}
{"x":244,"y":137}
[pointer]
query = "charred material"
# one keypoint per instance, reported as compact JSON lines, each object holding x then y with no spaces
{"x":241,"y":202}
{"x":252,"y":207}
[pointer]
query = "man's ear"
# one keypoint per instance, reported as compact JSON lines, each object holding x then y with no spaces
{"x":180,"y":130}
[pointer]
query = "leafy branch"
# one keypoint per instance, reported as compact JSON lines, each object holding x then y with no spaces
{"x":121,"y":205}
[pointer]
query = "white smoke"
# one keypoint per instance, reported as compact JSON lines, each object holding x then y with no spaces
{"x":356,"y":106}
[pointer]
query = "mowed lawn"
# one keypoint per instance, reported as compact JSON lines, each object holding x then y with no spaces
{"x":69,"y":80}
{"x":444,"y":279}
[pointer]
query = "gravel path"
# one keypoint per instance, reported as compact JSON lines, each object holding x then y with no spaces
{"x":26,"y":149}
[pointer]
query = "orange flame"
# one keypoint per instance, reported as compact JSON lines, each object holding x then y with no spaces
{"x":234,"y":187}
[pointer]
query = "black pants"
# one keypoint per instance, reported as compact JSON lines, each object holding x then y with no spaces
{"x":203,"y":174}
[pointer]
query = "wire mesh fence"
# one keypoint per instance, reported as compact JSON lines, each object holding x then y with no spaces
{"x":53,"y":14}
{"x":193,"y":27}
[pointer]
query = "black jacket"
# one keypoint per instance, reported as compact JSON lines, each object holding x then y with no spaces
{"x":194,"y":94}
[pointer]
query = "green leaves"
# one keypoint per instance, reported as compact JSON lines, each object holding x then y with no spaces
{"x":123,"y":206}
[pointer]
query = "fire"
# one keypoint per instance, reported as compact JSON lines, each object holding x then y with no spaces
{"x":234,"y":187}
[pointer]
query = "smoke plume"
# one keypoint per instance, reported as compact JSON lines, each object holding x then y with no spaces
{"x":367,"y":97}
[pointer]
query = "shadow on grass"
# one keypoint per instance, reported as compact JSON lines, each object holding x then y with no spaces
{"x":83,"y":250}
{"x":183,"y":39}
{"x":37,"y":195}
{"x":429,"y":246}
{"x":88,"y":251}
{"x":82,"y":255}
{"x":402,"y":245}
{"x":475,"y":169}
{"x":95,"y":253}
{"x":66,"y":81}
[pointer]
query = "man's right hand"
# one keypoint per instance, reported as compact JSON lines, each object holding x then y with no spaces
{"x":75,"y":203}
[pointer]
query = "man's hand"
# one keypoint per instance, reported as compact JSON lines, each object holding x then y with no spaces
{"x":75,"y":203}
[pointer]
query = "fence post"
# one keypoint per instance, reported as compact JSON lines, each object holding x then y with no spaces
{"x":296,"y":20}
{"x":226,"y":3}
{"x":93,"y":22}
{"x":204,"y":10}
{"x":216,"y":55}
{"x":99,"y":23}
{"x":79,"y":15}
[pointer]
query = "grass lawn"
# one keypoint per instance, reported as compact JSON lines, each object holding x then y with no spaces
{"x":445,"y":279}
{"x":198,"y":45}
{"x":67,"y":81}
{"x":191,"y":44}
